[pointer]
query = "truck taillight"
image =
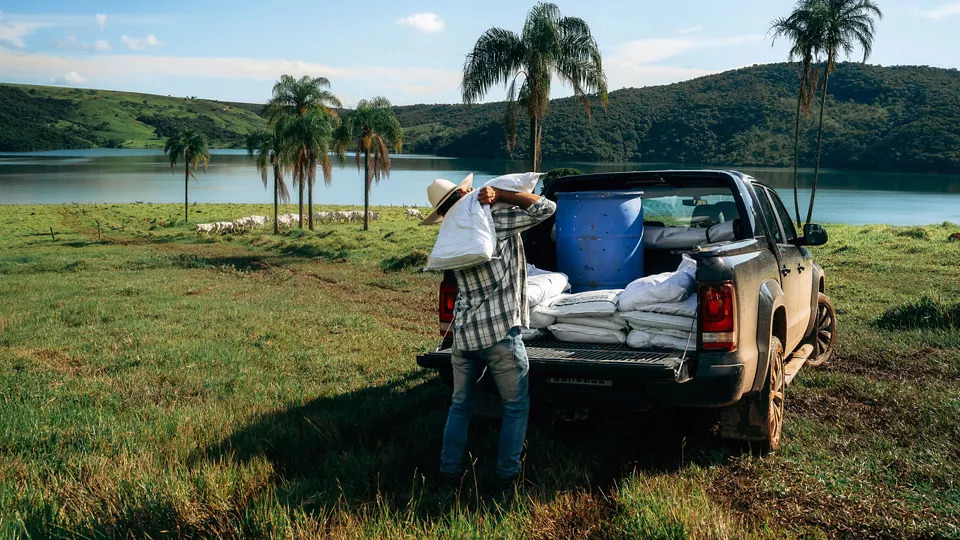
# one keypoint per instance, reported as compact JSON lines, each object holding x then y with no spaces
{"x":448,"y":297}
{"x":718,"y":317}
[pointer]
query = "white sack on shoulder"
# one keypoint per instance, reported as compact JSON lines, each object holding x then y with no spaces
{"x":613,"y":322}
{"x":660,"y":288}
{"x":574,"y":333}
{"x":545,"y":286}
{"x":641,"y":340}
{"x":520,"y":182}
{"x":466,"y":238}
{"x":645,"y":319}
{"x":539,"y":319}
{"x":685,"y":308}
{"x":585,"y":304}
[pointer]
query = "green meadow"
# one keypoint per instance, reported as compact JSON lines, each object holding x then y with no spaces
{"x":158,"y":383}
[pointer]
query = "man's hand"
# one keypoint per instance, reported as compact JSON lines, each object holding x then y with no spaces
{"x":488,"y":195}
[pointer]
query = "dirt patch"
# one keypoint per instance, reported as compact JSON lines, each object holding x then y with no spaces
{"x":747,"y":491}
{"x":53,"y":359}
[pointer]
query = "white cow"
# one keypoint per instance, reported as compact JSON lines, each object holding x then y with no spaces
{"x":414,"y":213}
{"x":205,"y":228}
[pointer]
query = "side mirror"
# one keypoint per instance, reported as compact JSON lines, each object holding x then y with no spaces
{"x":814,"y":235}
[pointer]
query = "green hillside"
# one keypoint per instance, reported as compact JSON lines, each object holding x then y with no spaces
{"x":896,"y":118}
{"x":885,"y":118}
{"x":48,"y":118}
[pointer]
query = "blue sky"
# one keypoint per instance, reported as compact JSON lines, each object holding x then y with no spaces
{"x":410,"y":52}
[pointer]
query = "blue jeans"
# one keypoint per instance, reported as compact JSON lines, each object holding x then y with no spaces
{"x":507,"y":363}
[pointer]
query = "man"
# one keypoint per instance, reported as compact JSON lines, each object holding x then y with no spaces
{"x":490,"y":309}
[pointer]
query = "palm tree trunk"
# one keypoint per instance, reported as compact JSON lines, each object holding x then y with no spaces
{"x":534,"y":144}
{"x":186,"y":186}
{"x":276,"y":199}
{"x":366,"y":189}
{"x":816,"y":170}
{"x":310,"y":205}
{"x":796,"y":149}
{"x":301,"y":194}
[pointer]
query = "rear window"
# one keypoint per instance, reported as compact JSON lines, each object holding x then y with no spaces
{"x":688,"y":207}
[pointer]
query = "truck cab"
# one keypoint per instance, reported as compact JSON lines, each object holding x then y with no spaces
{"x":762,"y":311}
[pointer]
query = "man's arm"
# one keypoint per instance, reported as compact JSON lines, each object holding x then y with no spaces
{"x":525,"y":210}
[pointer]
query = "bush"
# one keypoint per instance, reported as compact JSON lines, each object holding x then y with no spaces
{"x":415,"y":259}
{"x":917,"y":233}
{"x":923,"y":314}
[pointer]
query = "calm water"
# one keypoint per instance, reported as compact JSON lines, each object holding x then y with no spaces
{"x":120,"y":176}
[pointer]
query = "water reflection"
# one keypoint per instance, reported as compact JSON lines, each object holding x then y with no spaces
{"x":109,"y":175}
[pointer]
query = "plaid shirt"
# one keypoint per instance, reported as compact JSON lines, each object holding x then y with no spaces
{"x":493,"y":296}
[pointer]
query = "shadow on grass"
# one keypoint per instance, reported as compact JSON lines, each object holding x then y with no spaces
{"x":381,"y":445}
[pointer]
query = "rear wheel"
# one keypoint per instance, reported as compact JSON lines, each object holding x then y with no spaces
{"x":824,"y":331}
{"x":758,"y":418}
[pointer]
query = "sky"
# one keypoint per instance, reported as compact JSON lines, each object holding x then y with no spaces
{"x":410,"y":52}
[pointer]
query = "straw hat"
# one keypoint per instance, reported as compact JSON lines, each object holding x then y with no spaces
{"x":439,"y":191}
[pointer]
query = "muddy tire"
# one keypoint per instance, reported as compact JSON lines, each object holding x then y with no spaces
{"x":758,"y":418}
{"x":824,"y":332}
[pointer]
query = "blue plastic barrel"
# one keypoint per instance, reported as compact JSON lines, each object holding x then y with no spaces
{"x":600,"y":238}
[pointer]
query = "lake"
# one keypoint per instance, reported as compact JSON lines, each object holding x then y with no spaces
{"x":127,"y":175}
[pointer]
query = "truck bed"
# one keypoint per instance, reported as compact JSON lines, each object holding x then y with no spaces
{"x":562,"y":360}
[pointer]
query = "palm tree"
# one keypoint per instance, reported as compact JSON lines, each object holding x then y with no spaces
{"x":191,"y":146}
{"x":298,"y":98}
{"x":846,"y":25}
{"x":803,"y":29}
{"x":306,"y":145}
{"x":372,"y":126}
{"x":267,"y":147}
{"x":549,"y":46}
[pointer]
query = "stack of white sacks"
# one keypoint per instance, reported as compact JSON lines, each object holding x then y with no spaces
{"x":662,"y":309}
{"x":658,"y":311}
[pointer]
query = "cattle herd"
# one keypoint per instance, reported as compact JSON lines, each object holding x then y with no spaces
{"x":286,"y":221}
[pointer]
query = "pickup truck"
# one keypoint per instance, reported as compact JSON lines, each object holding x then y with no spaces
{"x":762,"y":310}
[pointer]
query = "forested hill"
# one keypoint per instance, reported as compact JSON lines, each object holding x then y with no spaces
{"x":50,"y":118}
{"x":884,"y":118}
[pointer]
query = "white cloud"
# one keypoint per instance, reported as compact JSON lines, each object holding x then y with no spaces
{"x":70,"y":77}
{"x":72,"y":43}
{"x":946,"y":10}
{"x":14,"y":32}
{"x":630,"y":63}
{"x":428,"y":23}
{"x":139,"y":44}
{"x":121,"y":69}
{"x":101,"y":20}
{"x":690,"y":30}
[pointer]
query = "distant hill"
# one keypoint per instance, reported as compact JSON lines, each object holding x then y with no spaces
{"x":885,"y":118}
{"x":49,"y":118}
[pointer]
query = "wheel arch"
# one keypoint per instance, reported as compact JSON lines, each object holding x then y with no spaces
{"x":771,"y":320}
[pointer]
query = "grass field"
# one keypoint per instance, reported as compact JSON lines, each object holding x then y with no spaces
{"x":157,"y":383}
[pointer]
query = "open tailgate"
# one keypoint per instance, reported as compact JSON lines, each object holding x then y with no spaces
{"x":553,"y":358}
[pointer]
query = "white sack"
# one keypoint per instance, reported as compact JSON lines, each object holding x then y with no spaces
{"x":613,"y":322}
{"x":641,"y":340}
{"x":645,"y":319}
{"x":574,"y":333}
{"x":521,"y":182}
{"x":685,"y":308}
{"x":539,"y":319}
{"x":466,"y":238}
{"x":660,"y":288}
{"x":585,"y":304}
{"x":544,"y":286}
{"x":528,"y":334}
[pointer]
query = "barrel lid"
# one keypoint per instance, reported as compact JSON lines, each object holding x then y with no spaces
{"x":598,"y":194}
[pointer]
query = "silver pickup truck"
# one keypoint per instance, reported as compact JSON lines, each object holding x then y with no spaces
{"x":762,"y":310}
